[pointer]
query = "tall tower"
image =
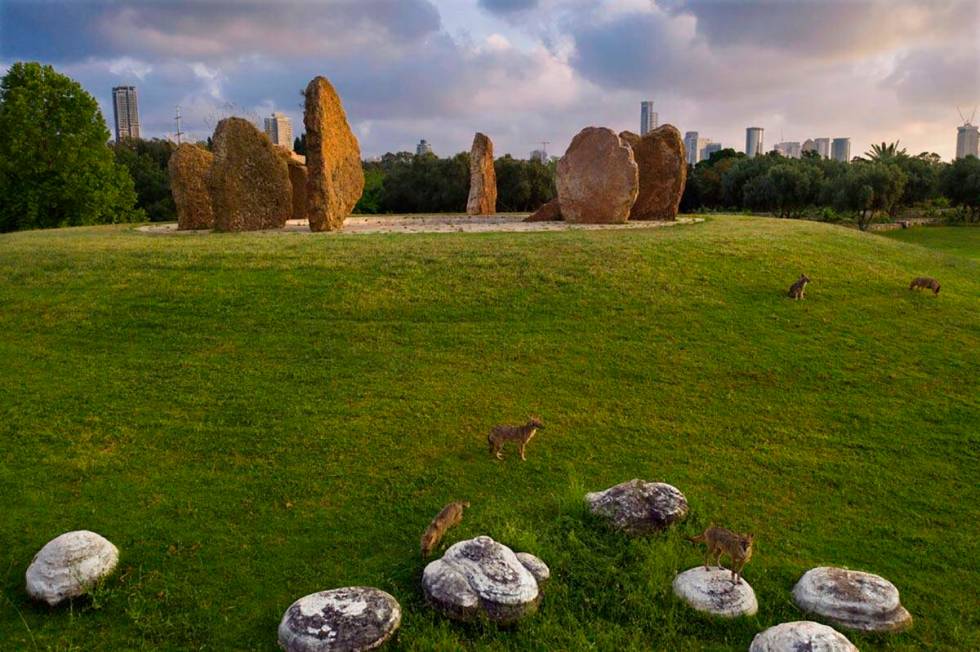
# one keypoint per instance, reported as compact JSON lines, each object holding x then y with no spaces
{"x":823,"y":147}
{"x":648,"y":117}
{"x":691,"y":147}
{"x":967,"y":140}
{"x":280,"y":130}
{"x":753,"y":141}
{"x":126,"y":112}
{"x":840,"y":150}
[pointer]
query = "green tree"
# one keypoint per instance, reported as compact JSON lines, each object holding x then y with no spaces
{"x":55,"y":167}
{"x":868,"y":189}
{"x":146,"y":161}
{"x":299,"y":144}
{"x":373,"y":195}
{"x":961,"y":184}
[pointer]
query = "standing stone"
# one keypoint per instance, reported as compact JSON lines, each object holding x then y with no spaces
{"x":249,"y":181}
{"x":547,"y":213}
{"x":69,"y":565}
{"x":189,"y":168}
{"x":801,"y":636}
{"x":663,"y":172}
{"x":297,"y":180}
{"x":483,"y":178}
{"x":342,"y":620}
{"x":851,"y":599}
{"x":713,"y":592}
{"x":480,"y":576}
{"x":333,"y":159}
{"x":638,"y":507}
{"x":598,"y":179}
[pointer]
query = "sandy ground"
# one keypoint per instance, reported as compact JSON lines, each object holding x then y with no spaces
{"x":434,"y":224}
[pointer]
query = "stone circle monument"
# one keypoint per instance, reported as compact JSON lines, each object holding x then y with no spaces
{"x":801,"y":636}
{"x":189,"y":168}
{"x":598,"y":179}
{"x":341,"y":620}
{"x":69,"y":565}
{"x":662,"y":172}
{"x":335,"y":179}
{"x":249,"y":181}
{"x":851,"y":599}
{"x":639,"y":507}
{"x":483,"y":179}
{"x":713,"y":592}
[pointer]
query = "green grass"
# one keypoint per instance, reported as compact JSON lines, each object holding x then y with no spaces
{"x":252,"y":418}
{"x":958,"y":240}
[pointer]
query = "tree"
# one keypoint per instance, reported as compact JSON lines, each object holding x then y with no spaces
{"x":55,"y":167}
{"x":299,"y":144}
{"x":146,"y":161}
{"x":961,"y":183}
{"x":869,"y":188}
{"x":885,"y":153}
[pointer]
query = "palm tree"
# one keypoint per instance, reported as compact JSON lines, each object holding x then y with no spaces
{"x":885,"y":153}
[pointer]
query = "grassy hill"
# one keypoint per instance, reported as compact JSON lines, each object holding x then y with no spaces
{"x":252,"y":418}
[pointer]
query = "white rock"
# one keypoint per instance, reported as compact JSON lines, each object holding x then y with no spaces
{"x":801,"y":636}
{"x":481,"y":576}
{"x":851,"y":599}
{"x":68,"y":566}
{"x":638,"y":506}
{"x":340,"y":620}
{"x":711,"y":591}
{"x":537,"y":567}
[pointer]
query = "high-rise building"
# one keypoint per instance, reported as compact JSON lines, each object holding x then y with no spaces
{"x":967,"y":140}
{"x":126,"y":112}
{"x":823,"y":147}
{"x":753,"y":141}
{"x":709,"y":149}
{"x":423,"y":148}
{"x":789,"y":149}
{"x":539,"y":155}
{"x":280,"y":130}
{"x":808,"y":146}
{"x":840,"y":149}
{"x":648,"y":117}
{"x":691,"y":147}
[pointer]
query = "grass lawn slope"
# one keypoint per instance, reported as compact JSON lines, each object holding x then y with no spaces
{"x":959,"y":240}
{"x":255,"y":417}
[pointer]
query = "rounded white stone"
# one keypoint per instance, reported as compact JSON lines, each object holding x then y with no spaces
{"x":537,"y":567}
{"x":68,"y":566}
{"x":851,"y":599}
{"x":340,"y":620}
{"x":801,"y":636}
{"x":712,"y":591}
{"x":638,"y":506}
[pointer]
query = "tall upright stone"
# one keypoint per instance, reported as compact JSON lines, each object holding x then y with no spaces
{"x":189,"y":168}
{"x":249,"y":181}
{"x":598,"y":178}
{"x":335,"y":179}
{"x":297,"y":180}
{"x":483,"y":178}
{"x":663,"y":172}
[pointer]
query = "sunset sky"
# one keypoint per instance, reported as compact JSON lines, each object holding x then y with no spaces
{"x":525,"y":71}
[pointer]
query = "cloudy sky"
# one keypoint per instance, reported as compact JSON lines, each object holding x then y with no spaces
{"x":525,"y":71}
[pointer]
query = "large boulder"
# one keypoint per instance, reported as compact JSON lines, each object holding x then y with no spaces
{"x":341,"y":620}
{"x":480,"y":576}
{"x":549,"y":212}
{"x":483,"y":178}
{"x":333,"y":159}
{"x":189,"y":168}
{"x":851,"y":599}
{"x":713,"y":592}
{"x":801,"y":636}
{"x":297,"y":180}
{"x":69,"y":565}
{"x":663,"y":172}
{"x":598,"y":179}
{"x":639,"y":507}
{"x":249,"y":181}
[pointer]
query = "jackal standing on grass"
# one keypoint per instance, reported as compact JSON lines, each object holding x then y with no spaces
{"x":521,"y":434}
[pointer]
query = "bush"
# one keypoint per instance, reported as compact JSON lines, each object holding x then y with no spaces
{"x":146,"y":161}
{"x":961,"y":184}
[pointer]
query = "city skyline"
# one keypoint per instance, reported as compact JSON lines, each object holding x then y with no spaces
{"x":524,"y":70}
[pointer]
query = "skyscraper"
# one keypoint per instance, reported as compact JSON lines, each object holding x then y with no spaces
{"x":967,"y":140}
{"x":423,"y":148}
{"x":808,"y":146}
{"x":648,"y":117}
{"x":753,"y":141}
{"x":709,"y":149}
{"x":691,"y":147}
{"x":823,"y":147}
{"x":126,"y":112}
{"x":840,"y":149}
{"x":789,"y":149}
{"x":280,"y":130}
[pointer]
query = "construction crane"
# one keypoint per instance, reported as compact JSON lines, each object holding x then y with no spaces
{"x":972,"y":116}
{"x":177,"y":119}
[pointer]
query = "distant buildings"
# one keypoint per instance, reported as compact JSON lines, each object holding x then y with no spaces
{"x":126,"y":112}
{"x":648,"y":117}
{"x":840,"y":149}
{"x":539,"y":155}
{"x":423,"y":148}
{"x":280,"y":130}
{"x":967,"y":140}
{"x":823,"y":147}
{"x":710,"y":149}
{"x":691,"y":147}
{"x":753,"y":141}
{"x":789,"y":149}
{"x":808,"y":146}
